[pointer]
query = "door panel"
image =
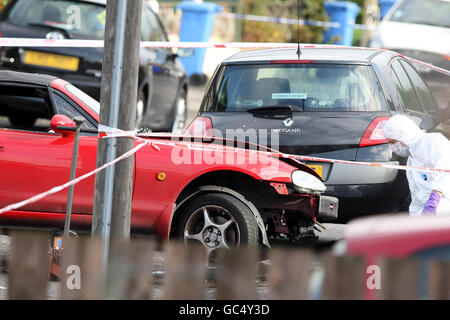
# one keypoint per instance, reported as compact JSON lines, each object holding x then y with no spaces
{"x":33,"y":162}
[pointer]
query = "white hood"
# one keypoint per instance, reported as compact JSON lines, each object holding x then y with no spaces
{"x":399,"y":35}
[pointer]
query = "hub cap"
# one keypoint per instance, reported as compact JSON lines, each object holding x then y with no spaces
{"x":214,"y":227}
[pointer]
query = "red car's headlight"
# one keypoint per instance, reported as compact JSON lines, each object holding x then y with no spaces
{"x":305,"y":182}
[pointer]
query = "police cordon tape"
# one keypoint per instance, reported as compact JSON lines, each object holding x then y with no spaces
{"x":279,"y":20}
{"x":107,"y":132}
{"x":72,"y":182}
{"x":111,"y":133}
{"x":75,"y":43}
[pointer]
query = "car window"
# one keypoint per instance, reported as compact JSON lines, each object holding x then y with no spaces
{"x":429,"y":12}
{"x":77,"y":19}
{"x":422,"y":90}
{"x":309,"y":87}
{"x":402,"y":95}
{"x":211,"y":95}
{"x":151,"y":28}
{"x":25,"y":108}
{"x":409,"y":96}
{"x":64,"y":107}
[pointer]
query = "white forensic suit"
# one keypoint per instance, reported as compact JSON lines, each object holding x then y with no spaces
{"x":431,"y":150}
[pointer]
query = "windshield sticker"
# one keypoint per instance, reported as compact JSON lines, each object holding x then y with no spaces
{"x":252,"y":103}
{"x":102,"y":17}
{"x":292,"y":95}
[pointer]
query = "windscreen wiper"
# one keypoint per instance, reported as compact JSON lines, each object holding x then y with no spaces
{"x":274,"y":109}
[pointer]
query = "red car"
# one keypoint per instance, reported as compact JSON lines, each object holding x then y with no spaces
{"x":425,"y":238}
{"x":219,"y":203}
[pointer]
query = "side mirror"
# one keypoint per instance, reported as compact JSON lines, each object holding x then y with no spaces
{"x":61,"y":123}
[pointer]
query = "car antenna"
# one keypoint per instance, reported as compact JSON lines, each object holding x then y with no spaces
{"x":299,"y":52}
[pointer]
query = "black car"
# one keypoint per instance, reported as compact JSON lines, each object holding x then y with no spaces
{"x":329,"y":103}
{"x":162,"y":85}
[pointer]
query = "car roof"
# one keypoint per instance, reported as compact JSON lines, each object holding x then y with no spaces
{"x":22,"y":77}
{"x":350,"y":55}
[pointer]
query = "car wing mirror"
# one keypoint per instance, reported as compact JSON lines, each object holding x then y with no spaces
{"x":61,"y":123}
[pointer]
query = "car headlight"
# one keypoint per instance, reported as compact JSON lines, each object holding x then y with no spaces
{"x":306,"y":182}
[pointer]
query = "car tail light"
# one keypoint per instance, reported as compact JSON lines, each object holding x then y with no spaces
{"x":374,"y":133}
{"x":200,"y":127}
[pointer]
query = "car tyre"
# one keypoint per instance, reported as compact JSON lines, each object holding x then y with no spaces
{"x":218,"y":221}
{"x":140,"y":109}
{"x":179,"y":117}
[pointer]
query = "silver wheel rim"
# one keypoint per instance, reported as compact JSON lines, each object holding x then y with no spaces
{"x":180,"y":115}
{"x":215,"y":228}
{"x":139,"y":113}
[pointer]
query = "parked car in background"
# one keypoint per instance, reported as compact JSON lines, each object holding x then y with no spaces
{"x":162,"y":85}
{"x":329,"y":103}
{"x":419,"y":29}
{"x":221,"y":204}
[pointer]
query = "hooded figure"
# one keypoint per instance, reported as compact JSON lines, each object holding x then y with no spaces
{"x":430,"y":192}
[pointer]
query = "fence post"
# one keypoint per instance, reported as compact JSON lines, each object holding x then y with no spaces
{"x":439,"y":280}
{"x":185,"y":271}
{"x":29,"y":265}
{"x":344,"y":277}
{"x":236,"y":274}
{"x":290,"y":274}
{"x":130,"y":271}
{"x":399,"y":279}
{"x":81,"y":268}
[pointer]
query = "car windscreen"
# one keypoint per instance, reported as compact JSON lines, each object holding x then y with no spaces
{"x":430,"y":12}
{"x":75,"y":18}
{"x":302,"y":87}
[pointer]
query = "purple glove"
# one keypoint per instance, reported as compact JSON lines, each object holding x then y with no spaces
{"x":432,"y":203}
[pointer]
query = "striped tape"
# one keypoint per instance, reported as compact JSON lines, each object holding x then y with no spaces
{"x":313,"y":23}
{"x":317,"y":159}
{"x":114,"y":133}
{"x":74,"y":43}
{"x":53,"y":190}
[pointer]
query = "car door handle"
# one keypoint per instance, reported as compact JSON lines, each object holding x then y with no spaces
{"x":2,"y":148}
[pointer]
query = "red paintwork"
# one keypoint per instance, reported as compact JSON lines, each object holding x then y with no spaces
{"x":34,"y":162}
{"x":64,"y":121}
{"x":396,"y":236}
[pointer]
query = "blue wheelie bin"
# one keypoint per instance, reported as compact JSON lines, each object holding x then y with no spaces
{"x":196,"y":26}
{"x":344,"y":13}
